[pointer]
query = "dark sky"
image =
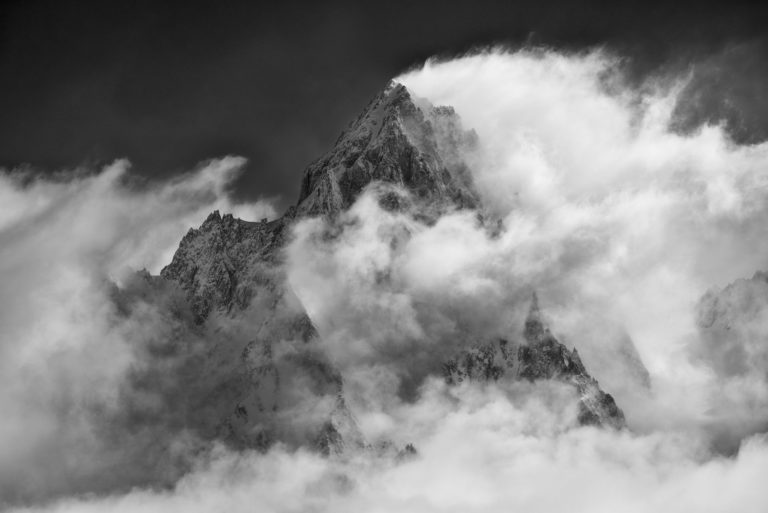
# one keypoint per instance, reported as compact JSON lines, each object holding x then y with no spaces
{"x":169,"y":84}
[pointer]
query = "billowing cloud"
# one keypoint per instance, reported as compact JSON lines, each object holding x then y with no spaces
{"x":618,"y":220}
{"x":488,"y":449}
{"x":63,"y":350}
{"x":627,"y":219}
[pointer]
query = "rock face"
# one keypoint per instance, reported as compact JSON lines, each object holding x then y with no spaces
{"x":230,"y":272}
{"x":393,"y":141}
{"x":240,"y":356}
{"x":226,"y":262}
{"x":540,"y":357}
{"x":249,"y":379}
{"x":268,"y":380}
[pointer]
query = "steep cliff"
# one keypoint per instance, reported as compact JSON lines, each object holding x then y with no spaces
{"x":393,"y":141}
{"x":539,"y":356}
{"x":246,"y":352}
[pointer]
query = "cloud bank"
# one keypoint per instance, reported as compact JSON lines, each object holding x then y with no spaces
{"x":488,"y":450}
{"x":64,"y":351}
{"x":620,"y":221}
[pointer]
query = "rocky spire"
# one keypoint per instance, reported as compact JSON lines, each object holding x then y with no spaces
{"x":397,"y":140}
{"x":540,"y":357}
{"x":232,"y":274}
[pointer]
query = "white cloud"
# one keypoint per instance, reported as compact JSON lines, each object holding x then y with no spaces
{"x":488,"y":449}
{"x":63,"y":352}
{"x":620,"y":223}
{"x":624,"y":216}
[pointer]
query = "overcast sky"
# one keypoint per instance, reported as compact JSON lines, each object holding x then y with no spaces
{"x":167,"y":86}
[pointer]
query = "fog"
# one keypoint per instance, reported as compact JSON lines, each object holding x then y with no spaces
{"x":617,"y":218}
{"x":64,"y":351}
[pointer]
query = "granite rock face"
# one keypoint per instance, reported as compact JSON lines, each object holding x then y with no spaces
{"x":249,"y":380}
{"x":266,"y":378}
{"x":393,"y":141}
{"x":226,"y":262}
{"x":242,"y":360}
{"x":539,"y":357}
{"x":231,"y":273}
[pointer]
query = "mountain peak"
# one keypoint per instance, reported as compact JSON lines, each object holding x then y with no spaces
{"x":233,"y":274}
{"x":539,"y":357}
{"x":397,"y":139}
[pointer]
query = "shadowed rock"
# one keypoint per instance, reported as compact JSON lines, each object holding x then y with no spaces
{"x":231,"y":270}
{"x":393,"y":141}
{"x":239,"y":359}
{"x":540,"y":357}
{"x":226,"y":262}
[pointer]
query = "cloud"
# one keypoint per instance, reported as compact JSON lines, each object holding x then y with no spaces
{"x":619,"y":221}
{"x":64,"y":351}
{"x":489,"y":449}
{"x":627,"y":219}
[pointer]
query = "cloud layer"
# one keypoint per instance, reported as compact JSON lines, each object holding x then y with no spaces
{"x":480,"y":450}
{"x":609,"y":210}
{"x":64,"y":351}
{"x":620,"y":222}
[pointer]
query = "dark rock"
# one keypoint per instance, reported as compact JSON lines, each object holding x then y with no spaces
{"x":228,"y":266}
{"x":540,"y":357}
{"x":480,"y":363}
{"x":393,"y":141}
{"x":340,"y":434}
{"x":407,"y":453}
{"x":243,"y":352}
{"x":223,"y":264}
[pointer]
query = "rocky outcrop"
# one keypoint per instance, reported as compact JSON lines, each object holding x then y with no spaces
{"x":230,"y":271}
{"x":393,"y":141}
{"x":248,"y":355}
{"x":227,"y":262}
{"x":539,"y":357}
{"x":340,"y":433}
{"x":247,"y":368}
{"x":397,"y":140}
{"x":247,"y":380}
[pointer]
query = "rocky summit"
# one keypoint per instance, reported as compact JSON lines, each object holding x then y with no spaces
{"x":248,"y":366}
{"x":393,"y":141}
{"x":227,"y":262}
{"x":230,"y":269}
{"x":538,"y":356}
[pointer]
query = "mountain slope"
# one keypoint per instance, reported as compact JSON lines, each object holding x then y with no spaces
{"x":231,"y":273}
{"x":246,"y":352}
{"x":393,"y":141}
{"x":540,"y":356}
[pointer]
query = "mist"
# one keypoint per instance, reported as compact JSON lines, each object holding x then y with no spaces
{"x":65,"y":351}
{"x":595,"y":198}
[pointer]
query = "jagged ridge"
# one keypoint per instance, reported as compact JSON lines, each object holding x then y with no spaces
{"x":540,"y":357}
{"x":231,"y":272}
{"x":228,"y":266}
{"x":392,"y":141}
